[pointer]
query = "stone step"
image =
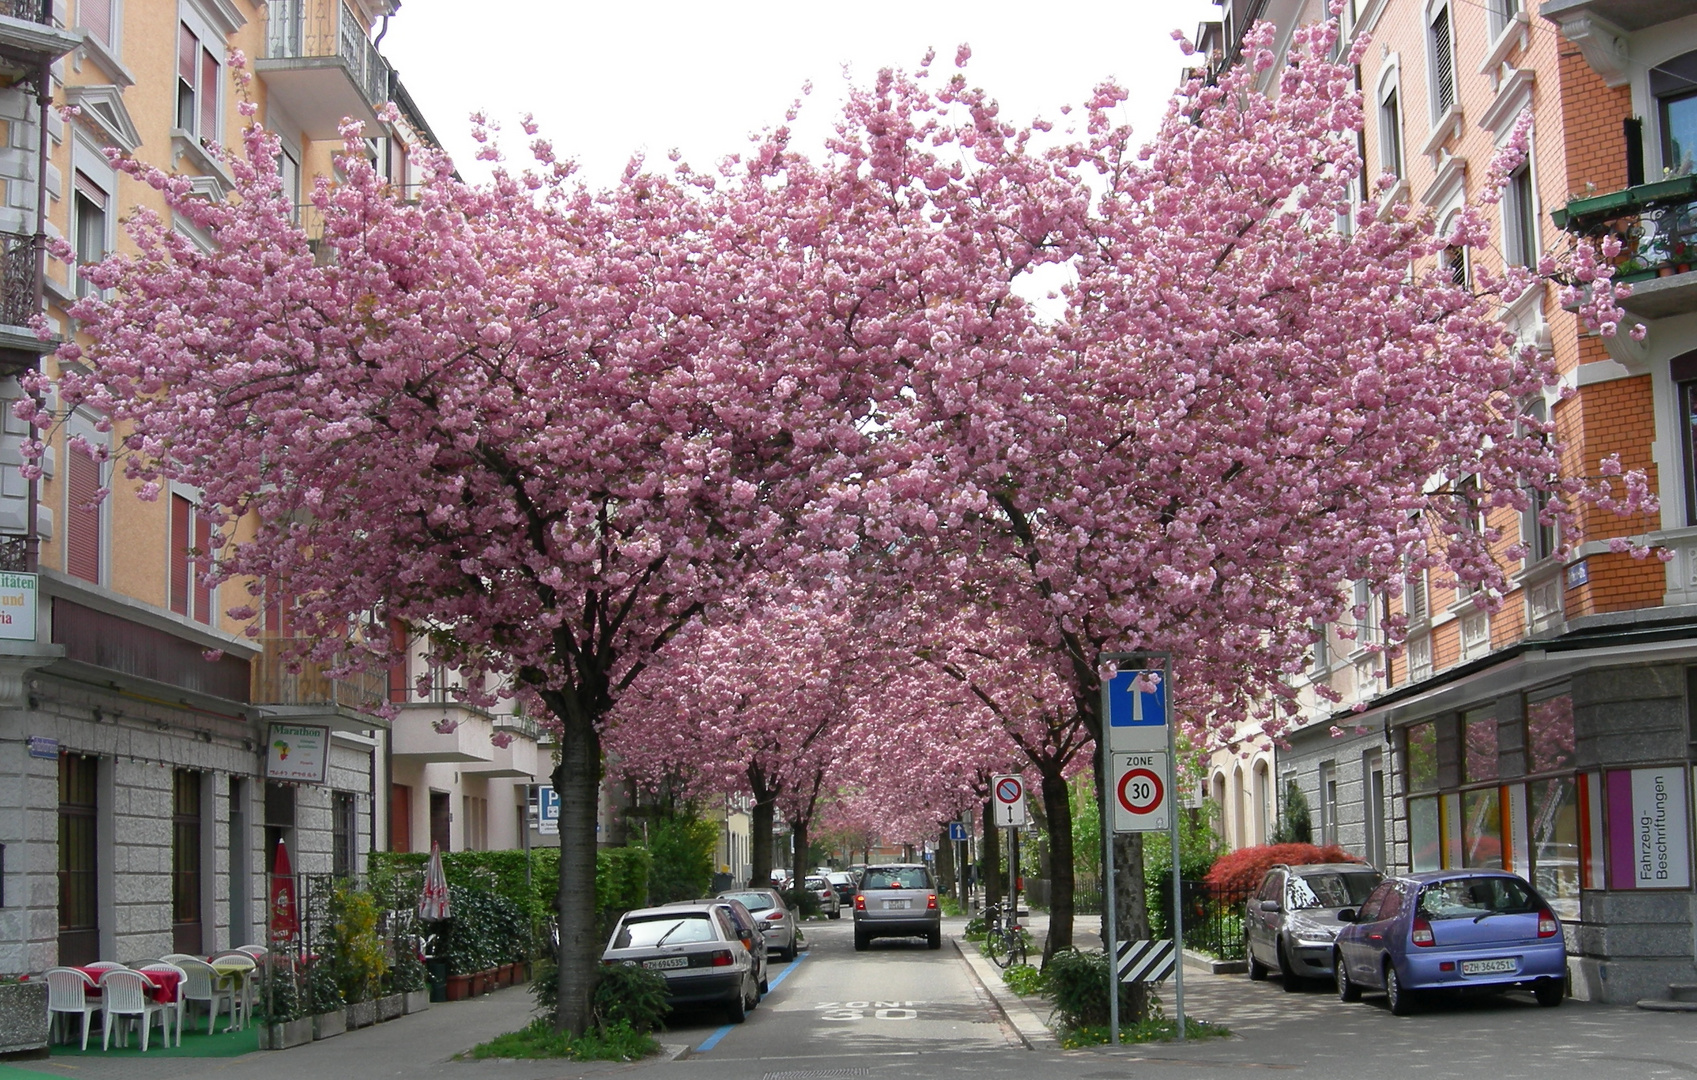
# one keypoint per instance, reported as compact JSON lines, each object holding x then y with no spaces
{"x":1658,"y":1005}
{"x":1683,"y":991}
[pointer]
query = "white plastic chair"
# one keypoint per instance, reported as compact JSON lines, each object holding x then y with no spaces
{"x":201,"y":983}
{"x":173,"y":957}
{"x":177,"y":1005}
{"x":255,"y":951}
{"x":125,"y":994}
{"x":105,"y":965}
{"x":239,"y":982}
{"x":67,"y":992}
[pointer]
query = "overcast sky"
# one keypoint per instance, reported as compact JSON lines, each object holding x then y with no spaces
{"x":606,"y":80}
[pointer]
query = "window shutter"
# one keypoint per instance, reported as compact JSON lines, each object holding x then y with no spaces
{"x":1443,"y":65}
{"x":203,"y":547}
{"x":82,"y":524}
{"x":95,"y":16}
{"x":209,"y":95}
{"x":180,"y":516}
{"x":188,"y":48}
{"x":399,"y":684}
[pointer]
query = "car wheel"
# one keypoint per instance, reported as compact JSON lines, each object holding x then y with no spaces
{"x":765,"y":985}
{"x":787,"y":953}
{"x":934,"y":939}
{"x":1347,"y":991}
{"x":737,"y":1010}
{"x":1396,"y":995}
{"x":1257,"y":970}
{"x":837,"y":914}
{"x":1549,"y":992}
{"x":861,"y":941}
{"x":1288,"y":977}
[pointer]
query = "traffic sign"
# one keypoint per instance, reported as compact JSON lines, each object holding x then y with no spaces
{"x":1144,"y":961}
{"x":957,"y":830}
{"x":1137,"y":711}
{"x":1008,"y":797}
{"x":547,"y":810}
{"x":1142,"y":787}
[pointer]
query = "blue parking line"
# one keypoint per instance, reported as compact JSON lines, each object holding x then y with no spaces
{"x":713,"y":1040}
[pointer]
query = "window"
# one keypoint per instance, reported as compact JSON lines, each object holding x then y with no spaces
{"x":400,"y":817}
{"x":1420,"y":755}
{"x":89,"y":203}
{"x":191,"y":538}
{"x":343,"y":828}
{"x":1501,"y":12}
{"x":279,"y":821}
{"x":1538,"y":535}
{"x":1673,"y":83}
{"x":1425,"y":846}
{"x":1414,"y":596}
{"x":79,"y":929}
{"x":199,"y":86}
{"x":440,"y":820}
{"x":1390,"y":133}
{"x":1520,"y":219}
{"x":1684,"y":372}
{"x":185,"y":861}
{"x":1364,"y":610}
{"x":1328,"y":803}
{"x":1373,"y":773}
{"x":289,"y":170}
{"x":1440,"y":53}
{"x":82,"y":515}
{"x":1479,"y":750}
{"x":1375,"y":901}
{"x":96,"y":16}
{"x":1391,"y":905}
{"x":1322,"y":649}
{"x":1482,"y":829}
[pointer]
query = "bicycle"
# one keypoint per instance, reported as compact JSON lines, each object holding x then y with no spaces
{"x":1005,"y":944}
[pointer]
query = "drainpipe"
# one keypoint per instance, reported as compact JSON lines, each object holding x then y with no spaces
{"x":44,"y":99}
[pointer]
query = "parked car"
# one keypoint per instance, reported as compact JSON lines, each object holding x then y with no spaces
{"x":755,"y":941}
{"x":1291,"y":921}
{"x":827,"y":896}
{"x":772,"y":915}
{"x":1457,"y":930}
{"x":897,"y":900}
{"x":697,"y":948}
{"x":844,"y":884}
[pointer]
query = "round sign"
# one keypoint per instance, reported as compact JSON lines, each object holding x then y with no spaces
{"x":1009,"y":789}
{"x":1139,"y":791}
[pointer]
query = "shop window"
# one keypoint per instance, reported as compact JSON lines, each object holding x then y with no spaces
{"x":1425,"y":841}
{"x":185,"y":861}
{"x":1420,"y":755}
{"x":1549,"y":733}
{"x":1479,"y":746}
{"x":1482,"y":829}
{"x":79,"y":905}
{"x":1553,"y":811}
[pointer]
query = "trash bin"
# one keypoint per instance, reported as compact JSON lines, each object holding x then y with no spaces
{"x":438,"y":972}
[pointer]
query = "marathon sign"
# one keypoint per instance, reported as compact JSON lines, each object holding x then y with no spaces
{"x":1649,"y":828}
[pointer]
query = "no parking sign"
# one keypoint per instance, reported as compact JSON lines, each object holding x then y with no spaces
{"x":1007,"y":794}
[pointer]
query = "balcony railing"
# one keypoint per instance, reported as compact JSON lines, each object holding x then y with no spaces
{"x":1655,"y":223}
{"x":305,"y":29}
{"x":275,"y":684}
{"x":36,"y":11}
{"x":14,"y":553}
{"x":18,"y":304}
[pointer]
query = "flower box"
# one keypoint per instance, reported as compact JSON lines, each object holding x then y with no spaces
{"x":415,"y":1001}
{"x":283,"y":1036}
{"x":329,"y":1025}
{"x":362,"y":1014}
{"x":459,"y":987}
{"x":23,"y":1019}
{"x":390,"y":1006}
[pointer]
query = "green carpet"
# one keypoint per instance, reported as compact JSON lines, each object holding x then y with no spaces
{"x":196,"y":1044}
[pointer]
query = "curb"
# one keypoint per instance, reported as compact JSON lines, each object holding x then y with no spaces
{"x":1030,"y":1028}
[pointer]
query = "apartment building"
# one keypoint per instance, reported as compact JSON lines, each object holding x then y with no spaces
{"x":144,"y":785}
{"x":1553,"y":736}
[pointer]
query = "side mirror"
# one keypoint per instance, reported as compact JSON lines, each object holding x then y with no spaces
{"x":1348,"y":914}
{"x":745,"y":936}
{"x":1269,"y":905}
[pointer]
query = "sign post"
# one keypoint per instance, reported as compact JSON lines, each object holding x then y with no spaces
{"x":1007,"y":795}
{"x":957,"y":836}
{"x":1137,"y":762}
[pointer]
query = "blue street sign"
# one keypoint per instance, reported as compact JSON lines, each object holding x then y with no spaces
{"x":1137,"y":699}
{"x":957,"y":830}
{"x":548,"y":809}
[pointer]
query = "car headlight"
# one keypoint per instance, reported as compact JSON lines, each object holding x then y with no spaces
{"x":1307,"y":942}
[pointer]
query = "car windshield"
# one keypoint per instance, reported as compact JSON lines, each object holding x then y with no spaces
{"x":1474,"y":898}
{"x":816,"y":883}
{"x":1330,"y":890}
{"x":664,"y":930}
{"x":896,"y":877}
{"x":753,"y":901}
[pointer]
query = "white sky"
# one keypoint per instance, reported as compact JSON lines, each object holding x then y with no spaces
{"x":607,"y":80}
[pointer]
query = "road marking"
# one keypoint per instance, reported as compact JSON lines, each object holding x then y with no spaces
{"x":772,"y":984}
{"x":856,"y":1010}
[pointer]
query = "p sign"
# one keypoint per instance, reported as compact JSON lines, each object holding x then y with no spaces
{"x":547,"y":810}
{"x":1007,"y":795}
{"x":1142,"y":789}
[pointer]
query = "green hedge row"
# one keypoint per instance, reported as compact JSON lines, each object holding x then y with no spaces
{"x":621,"y":876}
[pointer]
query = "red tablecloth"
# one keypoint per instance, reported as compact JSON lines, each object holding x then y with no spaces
{"x":163,"y":988}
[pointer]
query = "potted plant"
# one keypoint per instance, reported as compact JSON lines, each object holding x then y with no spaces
{"x":24,"y":1021}
{"x":329,"y":1016}
{"x":408,"y":978}
{"x":286,"y":1021}
{"x":356,"y":952}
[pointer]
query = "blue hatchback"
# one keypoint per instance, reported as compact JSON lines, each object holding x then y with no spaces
{"x":1451,"y":930}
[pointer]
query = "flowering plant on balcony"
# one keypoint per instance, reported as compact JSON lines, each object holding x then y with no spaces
{"x":447,"y":725}
{"x":501,"y":740}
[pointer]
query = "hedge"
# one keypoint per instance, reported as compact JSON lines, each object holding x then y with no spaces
{"x":621,"y":876}
{"x":1241,"y":871}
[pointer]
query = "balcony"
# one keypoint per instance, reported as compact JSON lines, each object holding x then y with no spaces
{"x":28,"y":38}
{"x":518,"y":758}
{"x":442,"y":731}
{"x":1657,"y":228}
{"x":310,"y":696}
{"x":20,"y":348}
{"x":320,"y":67}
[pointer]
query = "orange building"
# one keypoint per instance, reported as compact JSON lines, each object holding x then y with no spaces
{"x":1553,"y":736}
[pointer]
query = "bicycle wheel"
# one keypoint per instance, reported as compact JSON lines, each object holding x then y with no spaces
{"x":1007,"y":945}
{"x":995,"y":947}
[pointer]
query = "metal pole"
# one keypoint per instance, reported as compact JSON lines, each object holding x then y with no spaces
{"x":1178,"y":873}
{"x":1110,"y":928}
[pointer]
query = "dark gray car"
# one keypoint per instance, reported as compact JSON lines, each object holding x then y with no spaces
{"x":1291,"y":921}
{"x":897,"y":900}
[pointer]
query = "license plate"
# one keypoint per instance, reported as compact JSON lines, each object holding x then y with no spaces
{"x":895,"y":905}
{"x":666,"y":962}
{"x":1488,"y":967}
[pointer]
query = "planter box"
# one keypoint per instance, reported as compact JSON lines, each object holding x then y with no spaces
{"x":329,"y":1025}
{"x":362,"y":1014}
{"x":390,"y":1006}
{"x":23,"y":1018}
{"x":415,"y":1001}
{"x":459,"y":987}
{"x":503,"y":976}
{"x":283,"y":1036}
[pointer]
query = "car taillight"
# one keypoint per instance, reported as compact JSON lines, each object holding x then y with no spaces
{"x":722,"y":958}
{"x":931,"y":902}
{"x":775,"y":916}
{"x":859,"y":902}
{"x":1547,"y":924}
{"x":1422,"y":933}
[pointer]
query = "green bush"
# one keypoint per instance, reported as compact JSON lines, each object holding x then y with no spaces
{"x":356,"y":954}
{"x":630,"y":995}
{"x":538,"y":1039}
{"x":281,"y":997}
{"x":1025,"y":980}
{"x":482,"y":931}
{"x":1078,"y":979}
{"x":407,"y":974}
{"x":323,"y":994}
{"x":681,"y":858}
{"x":976,"y":928}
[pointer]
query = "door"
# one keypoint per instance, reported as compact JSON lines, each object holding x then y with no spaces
{"x":79,"y":924}
{"x":440,"y":819}
{"x":1261,"y":923}
{"x":1352,"y":943}
{"x":1377,"y":938}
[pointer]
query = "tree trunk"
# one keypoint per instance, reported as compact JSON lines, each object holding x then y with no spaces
{"x":945,"y":863}
{"x":760,"y":841}
{"x":1058,"y":809}
{"x":577,"y":780}
{"x":990,"y":855}
{"x":798,"y":832}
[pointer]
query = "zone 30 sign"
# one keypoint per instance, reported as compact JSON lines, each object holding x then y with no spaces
{"x":1142,"y":789}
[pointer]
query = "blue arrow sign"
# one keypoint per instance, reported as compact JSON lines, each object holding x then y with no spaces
{"x":1137,"y":699}
{"x":957,"y":830}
